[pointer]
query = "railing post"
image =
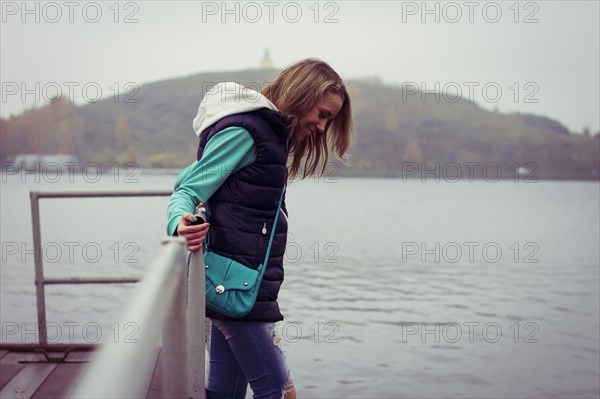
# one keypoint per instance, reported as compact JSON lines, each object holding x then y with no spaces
{"x":39,"y":268}
{"x":174,"y":352}
{"x":195,"y":323}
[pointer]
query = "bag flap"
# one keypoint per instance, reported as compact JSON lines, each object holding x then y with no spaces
{"x":232,"y":275}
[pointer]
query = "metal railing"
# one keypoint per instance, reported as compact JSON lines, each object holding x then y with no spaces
{"x":40,"y":281}
{"x":123,"y":369}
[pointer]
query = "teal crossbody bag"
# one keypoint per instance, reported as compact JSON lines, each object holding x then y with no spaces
{"x":231,"y":287}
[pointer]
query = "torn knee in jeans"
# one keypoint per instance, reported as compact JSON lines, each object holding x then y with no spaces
{"x":289,"y":391}
{"x":276,"y":339}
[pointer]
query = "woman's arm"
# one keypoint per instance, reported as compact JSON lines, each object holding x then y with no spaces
{"x":225,"y":153}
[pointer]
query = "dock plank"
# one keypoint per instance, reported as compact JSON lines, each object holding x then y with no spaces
{"x":8,"y":371}
{"x":10,"y":366}
{"x":27,"y":381}
{"x":61,"y":382}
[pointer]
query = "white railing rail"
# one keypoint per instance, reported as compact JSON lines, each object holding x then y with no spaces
{"x":122,"y":369}
{"x":196,"y":314}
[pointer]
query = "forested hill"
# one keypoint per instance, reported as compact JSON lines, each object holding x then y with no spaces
{"x":394,"y":130}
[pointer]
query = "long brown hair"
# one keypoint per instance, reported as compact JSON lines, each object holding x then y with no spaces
{"x":295,"y":91}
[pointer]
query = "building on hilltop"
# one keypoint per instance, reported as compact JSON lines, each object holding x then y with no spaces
{"x":266,"y":62}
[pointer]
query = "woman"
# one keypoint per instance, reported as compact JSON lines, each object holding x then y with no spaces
{"x":246,"y":140}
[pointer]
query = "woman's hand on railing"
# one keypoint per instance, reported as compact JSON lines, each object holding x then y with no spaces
{"x":194,"y":234}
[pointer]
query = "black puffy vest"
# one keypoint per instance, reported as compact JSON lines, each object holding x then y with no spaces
{"x":245,"y":204}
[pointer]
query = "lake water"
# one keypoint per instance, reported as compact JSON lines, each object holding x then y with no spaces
{"x":393,"y":288}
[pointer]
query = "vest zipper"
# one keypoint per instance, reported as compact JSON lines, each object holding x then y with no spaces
{"x":264,"y":229}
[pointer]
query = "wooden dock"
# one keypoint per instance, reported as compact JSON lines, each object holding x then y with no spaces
{"x":52,"y":371}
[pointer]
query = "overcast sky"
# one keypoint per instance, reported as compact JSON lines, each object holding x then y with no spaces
{"x":539,"y":57}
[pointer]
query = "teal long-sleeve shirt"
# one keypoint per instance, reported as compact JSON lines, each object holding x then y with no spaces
{"x":225,"y":153}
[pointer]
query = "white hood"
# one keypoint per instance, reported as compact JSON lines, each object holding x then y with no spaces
{"x":227,"y":98}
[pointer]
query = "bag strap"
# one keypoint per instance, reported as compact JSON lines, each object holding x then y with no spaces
{"x":264,"y":264}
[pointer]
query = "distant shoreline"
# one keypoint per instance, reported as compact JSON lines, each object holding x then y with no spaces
{"x":414,"y":173}
{"x":392,"y":174}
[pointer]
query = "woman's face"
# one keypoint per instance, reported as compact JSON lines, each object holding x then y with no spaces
{"x":315,"y":121}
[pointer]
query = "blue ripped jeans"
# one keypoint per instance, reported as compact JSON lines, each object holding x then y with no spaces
{"x":243,"y":352}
